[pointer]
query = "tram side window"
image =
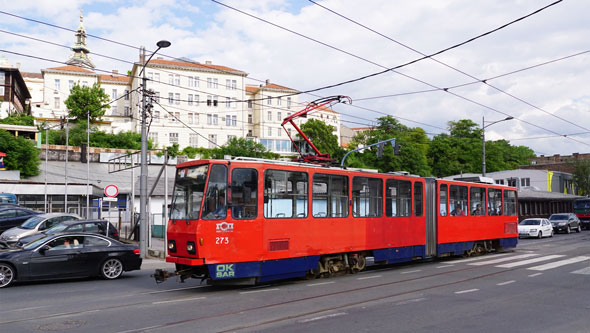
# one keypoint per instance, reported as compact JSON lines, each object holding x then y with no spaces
{"x":494,"y":202}
{"x":285,"y":194}
{"x":330,"y":196}
{"x":244,"y":193}
{"x":398,"y":198}
{"x":443,"y":200}
{"x":367,"y":197}
{"x":215,"y":206}
{"x":509,"y":203}
{"x":477,"y":200}
{"x":458,"y":200}
{"x":418,"y":199}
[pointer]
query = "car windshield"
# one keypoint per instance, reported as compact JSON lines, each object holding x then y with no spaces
{"x":558,"y":217}
{"x":530,"y":222}
{"x":56,"y":229}
{"x":36,"y":243}
{"x":581,"y":204}
{"x":32,"y":222}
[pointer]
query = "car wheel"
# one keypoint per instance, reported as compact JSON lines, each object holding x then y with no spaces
{"x":551,"y":233}
{"x":579,"y":228}
{"x":111,"y":269}
{"x":569,"y":230}
{"x":6,"y":275}
{"x":540,"y":235}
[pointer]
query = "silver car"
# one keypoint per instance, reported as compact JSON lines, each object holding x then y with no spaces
{"x":34,"y":225}
{"x":565,"y":222}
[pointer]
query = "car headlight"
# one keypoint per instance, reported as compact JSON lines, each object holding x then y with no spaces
{"x":533,"y":230}
{"x":172,"y":245}
{"x":562,"y":223}
{"x":12,"y":237}
{"x":190,"y":247}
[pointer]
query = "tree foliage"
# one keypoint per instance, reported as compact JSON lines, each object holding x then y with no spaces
{"x":84,"y":100}
{"x":77,"y":136}
{"x":19,"y":119}
{"x":582,"y":176}
{"x":322,"y":138}
{"x":242,"y":147}
{"x":413,"y":143}
{"x":21,"y":154}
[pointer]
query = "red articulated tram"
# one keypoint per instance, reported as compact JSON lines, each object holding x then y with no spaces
{"x":249,"y":220}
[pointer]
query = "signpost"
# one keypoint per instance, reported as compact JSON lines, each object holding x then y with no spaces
{"x":111,"y":192}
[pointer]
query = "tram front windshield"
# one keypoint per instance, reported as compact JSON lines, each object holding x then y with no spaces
{"x":189,"y":187}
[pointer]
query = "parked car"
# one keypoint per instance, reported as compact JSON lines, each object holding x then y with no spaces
{"x":535,"y":228}
{"x":565,"y":222}
{"x":34,"y":225}
{"x":93,"y":226}
{"x":68,"y":255}
{"x":12,"y":216}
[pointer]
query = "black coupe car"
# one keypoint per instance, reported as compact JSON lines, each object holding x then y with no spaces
{"x":68,"y":255}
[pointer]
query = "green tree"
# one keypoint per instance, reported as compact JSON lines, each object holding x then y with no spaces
{"x":242,"y":147}
{"x":19,"y":119}
{"x":84,"y":100}
{"x":412,"y":157}
{"x":21,"y":154}
{"x":582,"y":176}
{"x":320,"y":134}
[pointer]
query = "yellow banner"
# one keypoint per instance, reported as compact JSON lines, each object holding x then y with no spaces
{"x":549,"y":179}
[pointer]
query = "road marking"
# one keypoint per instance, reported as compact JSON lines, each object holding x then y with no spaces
{"x":319,"y":284}
{"x":480,"y":258}
{"x":559,"y":263}
{"x":530,"y":261}
{"x":179,"y":300}
{"x":415,"y":300}
{"x":445,"y":266}
{"x":466,"y":291}
{"x":505,"y":283}
{"x":258,"y":291}
{"x":410,"y":272}
{"x":495,"y":261}
{"x":536,"y":274}
{"x":169,"y":290}
{"x":585,"y":271}
{"x":369,"y":277}
{"x":323,"y":317}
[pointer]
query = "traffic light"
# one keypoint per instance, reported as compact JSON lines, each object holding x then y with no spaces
{"x":396,"y":149}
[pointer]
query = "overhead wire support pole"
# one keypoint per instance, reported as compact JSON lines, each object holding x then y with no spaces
{"x":365,"y":147}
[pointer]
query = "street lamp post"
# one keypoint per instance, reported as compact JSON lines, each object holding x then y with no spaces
{"x":483,"y":141}
{"x":143,"y":213}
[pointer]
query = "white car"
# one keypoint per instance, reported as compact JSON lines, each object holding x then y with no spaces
{"x":535,"y":228}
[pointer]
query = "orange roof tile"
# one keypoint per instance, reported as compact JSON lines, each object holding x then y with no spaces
{"x":70,"y":68}
{"x":194,"y":64}
{"x":251,"y":89}
{"x":32,"y":75}
{"x":114,"y":78}
{"x":276,"y":86}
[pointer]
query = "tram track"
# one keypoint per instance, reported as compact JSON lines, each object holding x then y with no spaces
{"x":155,"y":302}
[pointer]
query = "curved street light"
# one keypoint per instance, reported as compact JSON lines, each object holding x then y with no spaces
{"x":483,"y":140}
{"x":143,"y":213}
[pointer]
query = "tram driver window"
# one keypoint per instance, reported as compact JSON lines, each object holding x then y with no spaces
{"x":494,"y":202}
{"x":443,"y":200}
{"x":509,"y":203}
{"x":215,"y":206}
{"x":398,"y":198}
{"x":367,"y":197}
{"x":244,"y":193}
{"x":458,"y":200}
{"x":285,"y":194}
{"x":329,"y":196}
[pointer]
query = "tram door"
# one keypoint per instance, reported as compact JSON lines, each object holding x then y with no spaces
{"x":430,"y":192}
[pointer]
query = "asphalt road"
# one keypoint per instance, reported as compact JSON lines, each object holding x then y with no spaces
{"x":542,"y":286}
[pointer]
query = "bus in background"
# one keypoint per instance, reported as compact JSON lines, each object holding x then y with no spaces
{"x":582,"y":211}
{"x":8,"y":198}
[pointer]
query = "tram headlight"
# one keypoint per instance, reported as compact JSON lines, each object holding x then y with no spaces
{"x":172,"y":245}
{"x":190,"y":247}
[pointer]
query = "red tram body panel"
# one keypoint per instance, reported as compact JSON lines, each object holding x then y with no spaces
{"x":266,"y":220}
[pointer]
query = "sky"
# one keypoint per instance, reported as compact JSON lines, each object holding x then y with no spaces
{"x":305,"y":46}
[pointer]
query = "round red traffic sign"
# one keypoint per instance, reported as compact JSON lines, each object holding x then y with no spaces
{"x":111,"y":191}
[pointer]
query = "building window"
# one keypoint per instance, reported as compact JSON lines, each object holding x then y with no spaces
{"x":156,"y":116}
{"x":250,"y":133}
{"x":190,"y":81}
{"x":126,"y":95}
{"x":227,"y":102}
{"x":215,"y":119}
{"x":269,"y":100}
{"x":190,"y":99}
{"x":234,"y":121}
{"x":196,"y":81}
{"x":150,"y":75}
{"x":279,"y":101}
{"x":212,"y":140}
{"x":173,"y":138}
{"x":209,"y":100}
{"x":214,"y":83}
{"x":250,"y":104}
{"x":228,"y":84}
{"x":177,"y":98}
{"x":525,"y":182}
{"x":157,"y":77}
{"x":153,"y":136}
{"x":288,"y":102}
{"x":170,"y":98}
{"x":270,"y":131}
{"x":127,"y":113}
{"x":56,"y":103}
{"x":209,"y":119}
{"x":190,"y":118}
{"x":279,"y":131}
{"x":157,"y":96}
{"x":209,"y":82}
{"x":170,"y":79}
{"x":193,"y":140}
{"x":197,"y":100}
{"x":227,"y":120}
{"x":250,"y":119}
{"x":229,"y":137}
{"x":177,"y":79}
{"x":215,"y":100}
{"x":279,"y":116}
{"x":71,"y":84}
{"x":114,"y":94}
{"x":234,"y":84}
{"x":269,"y":115}
{"x":56,"y":86}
